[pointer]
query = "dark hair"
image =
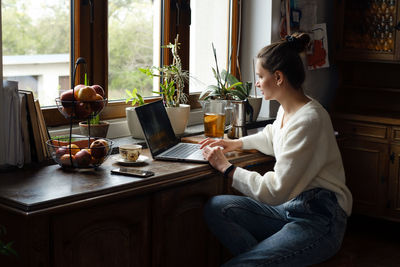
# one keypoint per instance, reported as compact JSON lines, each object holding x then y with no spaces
{"x":284,"y":56}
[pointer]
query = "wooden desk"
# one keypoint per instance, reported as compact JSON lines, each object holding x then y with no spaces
{"x":72,"y":218}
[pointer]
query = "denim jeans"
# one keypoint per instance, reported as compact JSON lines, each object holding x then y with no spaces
{"x":303,"y":231}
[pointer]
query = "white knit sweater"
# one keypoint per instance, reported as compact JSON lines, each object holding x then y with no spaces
{"x":307,"y":156}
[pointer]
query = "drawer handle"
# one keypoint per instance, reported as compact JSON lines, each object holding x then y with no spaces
{"x":392,"y":157}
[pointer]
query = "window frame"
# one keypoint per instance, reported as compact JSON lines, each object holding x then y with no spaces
{"x":85,"y":34}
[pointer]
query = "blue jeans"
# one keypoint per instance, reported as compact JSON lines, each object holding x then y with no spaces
{"x":303,"y":231}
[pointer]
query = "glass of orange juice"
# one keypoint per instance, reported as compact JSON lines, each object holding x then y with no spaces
{"x":214,"y":117}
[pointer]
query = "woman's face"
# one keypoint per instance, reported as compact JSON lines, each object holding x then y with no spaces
{"x":266,"y":82}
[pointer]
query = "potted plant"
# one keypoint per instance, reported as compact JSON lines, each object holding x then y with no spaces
{"x":230,"y":88}
{"x":5,"y":247}
{"x":98,"y":128}
{"x":133,"y":122}
{"x":173,"y":79}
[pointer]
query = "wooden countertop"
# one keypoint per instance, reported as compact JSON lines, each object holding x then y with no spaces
{"x":32,"y":191}
{"x":382,"y":118}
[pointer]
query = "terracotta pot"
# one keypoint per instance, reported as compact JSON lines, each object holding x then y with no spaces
{"x":96,"y":130}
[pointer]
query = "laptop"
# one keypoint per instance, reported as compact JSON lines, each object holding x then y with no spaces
{"x":160,"y":136}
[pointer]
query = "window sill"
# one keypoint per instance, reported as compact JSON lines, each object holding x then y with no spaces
{"x":119,"y":127}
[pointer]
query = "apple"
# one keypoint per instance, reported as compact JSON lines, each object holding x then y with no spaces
{"x":87,"y":94}
{"x":99,"y":89}
{"x":82,"y":110}
{"x":61,"y":151}
{"x":83,"y":158}
{"x":98,"y":105}
{"x":98,"y":161}
{"x":66,"y":98}
{"x":65,"y":160}
{"x":68,"y":110}
{"x":99,"y":148}
{"x":74,"y":149}
{"x":105,"y":143}
{"x":87,"y":149}
{"x":76,"y":90}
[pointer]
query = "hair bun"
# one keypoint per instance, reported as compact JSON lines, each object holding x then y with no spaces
{"x":298,"y":41}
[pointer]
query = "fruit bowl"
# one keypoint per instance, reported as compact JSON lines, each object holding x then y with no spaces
{"x":80,"y":109}
{"x":80,"y":153}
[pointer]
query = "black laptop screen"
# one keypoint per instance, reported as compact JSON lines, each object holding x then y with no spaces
{"x":156,"y":127}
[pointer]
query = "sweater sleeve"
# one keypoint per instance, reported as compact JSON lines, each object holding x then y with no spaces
{"x":295,"y":166}
{"x":262,"y":141}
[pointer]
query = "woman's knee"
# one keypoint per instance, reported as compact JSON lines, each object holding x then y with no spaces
{"x":216,"y":206}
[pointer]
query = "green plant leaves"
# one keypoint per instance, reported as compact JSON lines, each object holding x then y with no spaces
{"x":5,"y":248}
{"x":134,"y":96}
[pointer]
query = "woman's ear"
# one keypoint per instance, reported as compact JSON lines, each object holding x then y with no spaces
{"x":278,"y":77}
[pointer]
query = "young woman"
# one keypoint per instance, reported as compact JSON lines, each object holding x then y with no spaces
{"x":296,"y":214}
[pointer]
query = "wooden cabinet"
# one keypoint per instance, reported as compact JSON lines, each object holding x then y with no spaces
{"x":366,"y":166}
{"x":366,"y":109}
{"x":115,"y":234}
{"x":371,"y":158}
{"x":59,"y":218}
{"x":181,"y":236}
{"x":368,"y":29}
{"x":394,"y":183}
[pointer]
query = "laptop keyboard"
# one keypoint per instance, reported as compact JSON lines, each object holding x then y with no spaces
{"x":184,"y":150}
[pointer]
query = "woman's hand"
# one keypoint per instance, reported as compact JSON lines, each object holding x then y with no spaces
{"x":216,"y":157}
{"x":226,"y":145}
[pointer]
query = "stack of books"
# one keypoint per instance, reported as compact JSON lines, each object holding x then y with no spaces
{"x":33,"y":128}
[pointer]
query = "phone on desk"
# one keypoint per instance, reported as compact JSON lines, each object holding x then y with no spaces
{"x":132,"y":172}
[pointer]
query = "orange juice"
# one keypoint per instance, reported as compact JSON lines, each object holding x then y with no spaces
{"x":214,"y":125}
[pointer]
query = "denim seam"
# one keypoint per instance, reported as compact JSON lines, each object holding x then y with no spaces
{"x":294,"y":253}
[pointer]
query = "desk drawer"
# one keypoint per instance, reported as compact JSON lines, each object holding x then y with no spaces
{"x":363,"y":129}
{"x":396,"y":134}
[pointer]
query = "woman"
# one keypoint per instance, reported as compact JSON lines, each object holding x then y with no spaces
{"x":296,"y":214}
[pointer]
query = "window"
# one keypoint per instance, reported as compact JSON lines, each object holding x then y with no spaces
{"x":36,"y":45}
{"x":133,"y":43}
{"x":202,"y":38}
{"x":106,"y":34}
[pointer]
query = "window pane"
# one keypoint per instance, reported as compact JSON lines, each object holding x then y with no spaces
{"x":133,"y":31}
{"x":36,"y":45}
{"x":209,"y":24}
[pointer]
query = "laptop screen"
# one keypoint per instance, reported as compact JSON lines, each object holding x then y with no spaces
{"x":156,"y":127}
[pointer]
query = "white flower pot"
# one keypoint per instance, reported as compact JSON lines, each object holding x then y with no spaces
{"x":179,"y":117}
{"x":133,"y":123}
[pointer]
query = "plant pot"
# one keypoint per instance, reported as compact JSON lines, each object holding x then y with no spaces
{"x":96,"y":130}
{"x":179,"y":117}
{"x":255,"y":102}
{"x":133,"y":123}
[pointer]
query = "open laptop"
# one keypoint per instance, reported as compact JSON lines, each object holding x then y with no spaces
{"x":160,"y":136}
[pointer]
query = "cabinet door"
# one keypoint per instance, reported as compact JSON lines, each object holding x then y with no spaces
{"x":393,"y":204}
{"x":367,"y":29}
{"x":181,"y":236}
{"x":115,"y":234}
{"x":366,"y":169}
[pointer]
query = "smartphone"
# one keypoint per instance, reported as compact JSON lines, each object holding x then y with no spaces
{"x":132,"y":172}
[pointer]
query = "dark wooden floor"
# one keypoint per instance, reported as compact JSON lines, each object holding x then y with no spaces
{"x":368,"y":243}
